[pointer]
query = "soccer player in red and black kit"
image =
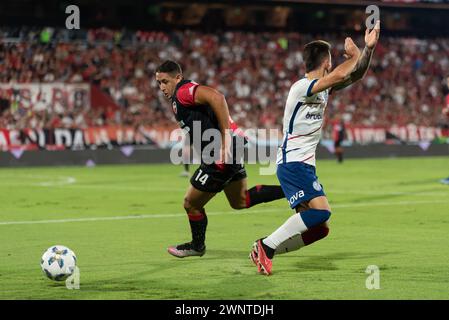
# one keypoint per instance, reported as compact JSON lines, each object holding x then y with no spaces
{"x":338,"y":135}
{"x":192,"y":103}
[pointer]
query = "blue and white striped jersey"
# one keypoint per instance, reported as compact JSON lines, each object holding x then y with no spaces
{"x":303,"y":120}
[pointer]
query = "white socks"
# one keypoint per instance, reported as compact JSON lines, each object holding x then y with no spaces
{"x":291,"y":244}
{"x":292,"y":227}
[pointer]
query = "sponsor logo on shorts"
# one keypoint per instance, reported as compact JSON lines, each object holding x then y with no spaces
{"x":317,"y":185}
{"x":296,"y":196}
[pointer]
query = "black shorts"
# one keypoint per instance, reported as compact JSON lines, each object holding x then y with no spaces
{"x":209,"y":177}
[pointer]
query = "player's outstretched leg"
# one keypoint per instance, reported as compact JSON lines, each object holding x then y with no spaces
{"x":312,"y":220}
{"x":240,"y":197}
{"x":293,"y":243}
{"x":194,"y":205}
{"x":302,"y":240}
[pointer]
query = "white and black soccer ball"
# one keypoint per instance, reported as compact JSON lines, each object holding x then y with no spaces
{"x":58,"y":263}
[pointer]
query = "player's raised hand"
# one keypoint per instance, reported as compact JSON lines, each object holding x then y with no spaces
{"x":372,"y":36}
{"x":351,"y":49}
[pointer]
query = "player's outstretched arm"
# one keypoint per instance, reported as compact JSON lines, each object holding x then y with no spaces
{"x":371,"y":38}
{"x":342,"y":71}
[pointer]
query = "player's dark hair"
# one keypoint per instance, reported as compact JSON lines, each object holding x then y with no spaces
{"x":314,"y":54}
{"x":171,"y":67}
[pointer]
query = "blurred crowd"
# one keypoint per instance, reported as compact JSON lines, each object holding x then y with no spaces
{"x":254,"y":70}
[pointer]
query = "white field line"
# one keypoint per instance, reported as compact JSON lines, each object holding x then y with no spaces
{"x":47,"y":181}
{"x":155,"y":188}
{"x":216,"y":213}
{"x":62,"y":181}
{"x":71,"y":182}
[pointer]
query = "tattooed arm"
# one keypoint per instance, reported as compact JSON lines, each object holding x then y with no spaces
{"x":364,"y":59}
{"x":359,"y":70}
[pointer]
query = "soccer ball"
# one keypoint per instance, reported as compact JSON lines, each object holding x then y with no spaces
{"x":58,"y":263}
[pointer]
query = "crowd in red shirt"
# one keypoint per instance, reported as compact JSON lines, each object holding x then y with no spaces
{"x":253,"y":70}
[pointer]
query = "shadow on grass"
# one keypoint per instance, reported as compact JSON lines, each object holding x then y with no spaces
{"x":174,"y":278}
{"x":226,"y":254}
{"x":325,"y":262}
{"x":202,"y":278}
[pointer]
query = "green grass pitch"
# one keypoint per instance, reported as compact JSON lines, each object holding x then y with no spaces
{"x":119,"y":220}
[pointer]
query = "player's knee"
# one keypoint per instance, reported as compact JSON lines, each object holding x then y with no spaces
{"x":191,"y":208}
{"x":315,"y":217}
{"x":321,"y":215}
{"x":326,"y":216}
{"x":238,"y":205}
{"x":187,"y":205}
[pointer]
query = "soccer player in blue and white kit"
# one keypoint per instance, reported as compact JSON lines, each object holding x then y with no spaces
{"x":303,"y":120}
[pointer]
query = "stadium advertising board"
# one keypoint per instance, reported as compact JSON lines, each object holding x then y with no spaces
{"x":51,"y":97}
{"x":110,"y":136}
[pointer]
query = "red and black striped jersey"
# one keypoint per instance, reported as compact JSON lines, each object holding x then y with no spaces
{"x":187,"y":112}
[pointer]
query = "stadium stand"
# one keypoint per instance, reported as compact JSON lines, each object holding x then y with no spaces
{"x":253,"y":70}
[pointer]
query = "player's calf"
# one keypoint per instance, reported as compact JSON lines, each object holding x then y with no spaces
{"x":198,"y":225}
{"x":256,"y":195}
{"x":314,"y":234}
{"x":261,"y":194}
